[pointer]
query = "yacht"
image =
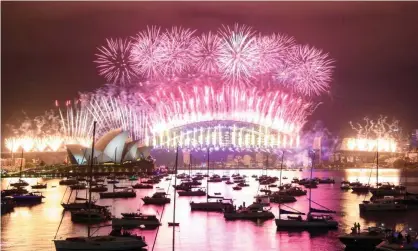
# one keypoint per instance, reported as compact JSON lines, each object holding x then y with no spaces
{"x":345,"y":186}
{"x":360,"y":188}
{"x":131,"y":220}
{"x":39,"y":186}
{"x":366,"y":240}
{"x":115,"y":241}
{"x":29,"y":198}
{"x":68,"y":182}
{"x":388,"y":203}
{"x":122,"y":193}
{"x":74,"y":206}
{"x":99,"y":188}
{"x":278,"y":197}
{"x":253,"y":212}
{"x":142,"y":186}
{"x":192,"y":192}
{"x":158,"y":198}
{"x":316,"y":218}
{"x":90,"y":216}
{"x":19,"y":183}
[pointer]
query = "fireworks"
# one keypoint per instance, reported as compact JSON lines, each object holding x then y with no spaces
{"x":256,"y":89}
{"x":236,"y":55}
{"x":114,"y":61}
{"x":375,"y":135}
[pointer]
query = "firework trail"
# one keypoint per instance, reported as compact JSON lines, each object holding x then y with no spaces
{"x":113,"y":61}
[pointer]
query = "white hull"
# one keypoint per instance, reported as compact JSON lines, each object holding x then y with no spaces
{"x":281,"y":223}
{"x":116,"y":222}
{"x":100,"y":243}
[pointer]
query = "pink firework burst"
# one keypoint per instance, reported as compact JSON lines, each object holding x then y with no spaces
{"x":114,"y":62}
{"x":239,"y":54}
{"x":273,"y":51}
{"x":207,"y":51}
{"x":311,"y":70}
{"x":144,"y":52}
{"x":175,"y":53}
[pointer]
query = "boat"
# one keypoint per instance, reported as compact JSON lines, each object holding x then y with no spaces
{"x":99,"y":188}
{"x":68,"y":182}
{"x":7,"y":204}
{"x":313,"y":220}
{"x":253,"y":212}
{"x":388,"y":203}
{"x":13,"y":191}
{"x":228,"y":182}
{"x":133,"y":178}
{"x":158,"y":198}
{"x":387,"y":190}
{"x":115,"y":241}
{"x":345,"y":187}
{"x":406,"y":242}
{"x":90,"y":216}
{"x":112,"y":181}
{"x":193,"y":192}
{"x":142,"y":186}
{"x":366,"y":240}
{"x":293,"y":191}
{"x":237,"y":188}
{"x":19,"y":183}
{"x":80,"y":186}
{"x":212,"y":203}
{"x":263,"y":200}
{"x":278,"y":197}
{"x":360,"y":189}
{"x":326,"y":181}
{"x":74,"y":206}
{"x":39,"y":186}
{"x":122,"y":193}
{"x":132,"y":220}
{"x":30,"y":198}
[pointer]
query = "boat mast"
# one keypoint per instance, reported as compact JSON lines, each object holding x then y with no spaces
{"x":21,"y":165}
{"x":90,"y":177}
{"x":207,"y":181}
{"x":174,"y":204}
{"x":377,"y":163}
{"x":310,"y":181}
{"x":280,"y":181}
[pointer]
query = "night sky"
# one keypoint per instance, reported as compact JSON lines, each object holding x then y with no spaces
{"x":47,"y":49}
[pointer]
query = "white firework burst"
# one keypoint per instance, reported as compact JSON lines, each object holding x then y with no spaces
{"x":114,"y":61}
{"x":144,"y":53}
{"x":239,"y":54}
{"x":176,"y":51}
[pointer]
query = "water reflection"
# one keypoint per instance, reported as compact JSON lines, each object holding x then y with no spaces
{"x":33,"y":228}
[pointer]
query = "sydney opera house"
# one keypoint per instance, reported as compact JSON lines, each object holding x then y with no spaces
{"x":114,"y":147}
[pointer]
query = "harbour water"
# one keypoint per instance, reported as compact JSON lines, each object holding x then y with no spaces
{"x":33,"y":228}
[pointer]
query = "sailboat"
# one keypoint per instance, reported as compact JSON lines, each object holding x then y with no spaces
{"x":20,"y":182}
{"x":388,"y":203}
{"x":219,"y":203}
{"x":116,"y":241}
{"x":279,"y":196}
{"x":312,"y":221}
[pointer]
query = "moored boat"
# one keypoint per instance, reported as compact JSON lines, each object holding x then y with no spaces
{"x":253,"y":212}
{"x":366,"y":240}
{"x":133,"y":220}
{"x":123,"y":193}
{"x":158,"y":198}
